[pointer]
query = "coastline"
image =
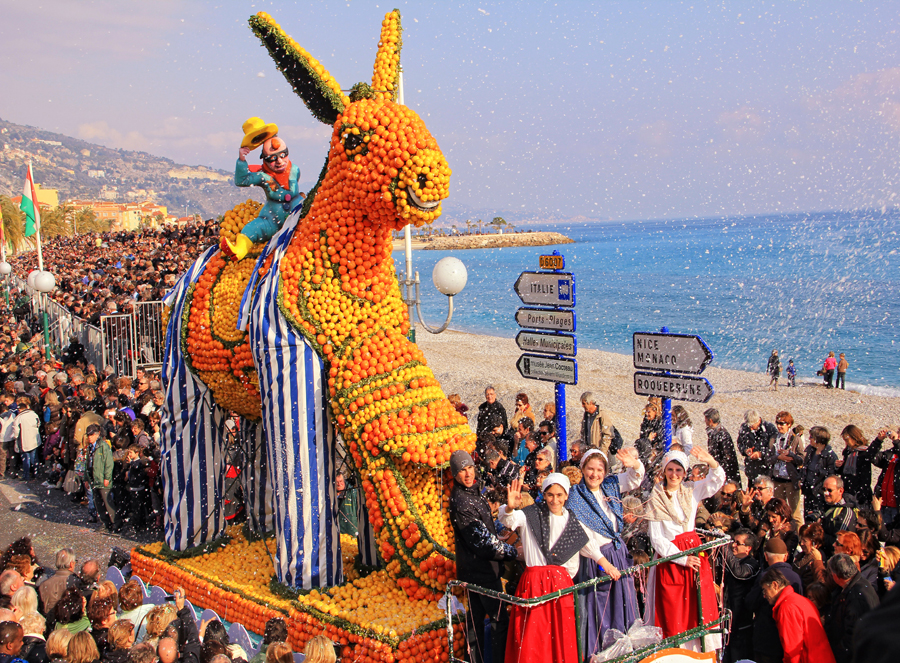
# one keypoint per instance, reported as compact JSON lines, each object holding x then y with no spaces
{"x":485,"y":241}
{"x":465,"y":363}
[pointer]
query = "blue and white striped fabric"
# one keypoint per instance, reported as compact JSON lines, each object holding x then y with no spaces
{"x":256,"y":478}
{"x":296,"y":419}
{"x":192,"y":434}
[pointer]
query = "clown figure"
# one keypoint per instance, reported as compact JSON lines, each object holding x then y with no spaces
{"x":278,"y":178}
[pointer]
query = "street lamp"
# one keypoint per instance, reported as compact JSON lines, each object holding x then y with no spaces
{"x":44,"y":282}
{"x":449,"y":277}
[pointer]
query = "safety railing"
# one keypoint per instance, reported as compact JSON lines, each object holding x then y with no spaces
{"x":719,"y":625}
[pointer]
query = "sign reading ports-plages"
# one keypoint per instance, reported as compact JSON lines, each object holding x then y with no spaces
{"x":542,"y":318}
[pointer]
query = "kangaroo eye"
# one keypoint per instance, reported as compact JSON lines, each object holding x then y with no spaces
{"x":352,"y":141}
{"x":422,"y":179}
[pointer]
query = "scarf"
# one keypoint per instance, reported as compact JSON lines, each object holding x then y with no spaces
{"x":583,"y":503}
{"x":572,"y":539}
{"x":283,"y":178}
{"x":850,"y":463}
{"x":660,"y":508}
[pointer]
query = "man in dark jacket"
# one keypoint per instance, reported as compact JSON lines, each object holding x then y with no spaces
{"x":856,"y":598}
{"x":491,"y":415}
{"x":721,"y":446}
{"x":754,"y":443}
{"x":877,"y":637}
{"x":741,"y":569}
{"x":840,"y":513}
{"x":766,"y":644}
{"x":53,"y":587}
{"x":479,"y":552}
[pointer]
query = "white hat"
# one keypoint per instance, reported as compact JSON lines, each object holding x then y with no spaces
{"x":592,"y":452}
{"x":679,"y":457}
{"x":557,"y":478}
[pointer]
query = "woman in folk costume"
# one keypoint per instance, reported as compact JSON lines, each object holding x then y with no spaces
{"x":672,"y":594}
{"x":597,"y":503}
{"x":552,"y":539}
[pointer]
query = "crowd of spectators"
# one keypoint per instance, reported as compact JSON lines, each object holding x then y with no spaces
{"x":801,"y":515}
{"x":93,"y":435}
{"x":73,"y":617}
{"x":102,"y":274}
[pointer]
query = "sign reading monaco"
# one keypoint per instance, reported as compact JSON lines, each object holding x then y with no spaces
{"x":678,"y":353}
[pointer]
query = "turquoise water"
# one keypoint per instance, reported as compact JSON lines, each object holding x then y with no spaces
{"x":804,"y":284}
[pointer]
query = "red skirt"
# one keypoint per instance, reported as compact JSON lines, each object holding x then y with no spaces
{"x":676,"y":591}
{"x":546,"y":632}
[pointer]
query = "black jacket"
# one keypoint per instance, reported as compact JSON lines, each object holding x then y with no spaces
{"x":838,"y":518}
{"x":721,"y":447}
{"x":857,"y":475}
{"x":739,"y":579}
{"x":877,"y":638}
{"x":34,"y":650}
{"x":491,"y":415}
{"x":478,"y":548}
{"x":757,"y":440}
{"x":765,"y":631}
{"x":855,"y":599}
{"x":882,"y":460}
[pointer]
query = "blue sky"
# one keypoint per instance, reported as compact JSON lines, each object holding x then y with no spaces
{"x":622,"y":110}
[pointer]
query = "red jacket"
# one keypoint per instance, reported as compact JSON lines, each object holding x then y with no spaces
{"x":800,"y":629}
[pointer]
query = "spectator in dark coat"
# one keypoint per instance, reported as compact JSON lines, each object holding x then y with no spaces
{"x":53,"y":587}
{"x":754,"y":442}
{"x":741,"y":570}
{"x":887,"y":488}
{"x":34,"y":646}
{"x":856,"y":598}
{"x":721,"y":447}
{"x":479,"y":553}
{"x":491,"y":415}
{"x":877,"y":636}
{"x":766,"y":643}
{"x":818,"y":464}
{"x":840,"y":514}
{"x":856,"y":466}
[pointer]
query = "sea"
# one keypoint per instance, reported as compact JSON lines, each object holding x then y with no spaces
{"x":804,"y":284}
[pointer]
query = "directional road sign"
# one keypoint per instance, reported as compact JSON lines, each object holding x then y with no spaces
{"x":678,"y":353}
{"x":544,"y":318}
{"x":551,"y":289}
{"x":555,"y":344}
{"x":548,"y":369}
{"x":677,"y":387}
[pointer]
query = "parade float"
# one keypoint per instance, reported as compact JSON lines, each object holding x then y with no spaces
{"x":303,"y":334}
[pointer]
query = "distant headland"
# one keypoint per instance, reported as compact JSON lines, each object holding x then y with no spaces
{"x":486,"y":241}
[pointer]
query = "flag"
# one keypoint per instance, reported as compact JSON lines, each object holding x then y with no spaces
{"x":30,"y":206}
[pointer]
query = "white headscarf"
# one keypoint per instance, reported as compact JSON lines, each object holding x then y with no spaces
{"x":592,"y":452}
{"x":557,"y":478}
{"x":679,"y":457}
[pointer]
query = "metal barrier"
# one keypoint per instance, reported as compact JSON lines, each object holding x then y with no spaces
{"x":720,"y":625}
{"x":118,"y":343}
{"x":149,"y":334}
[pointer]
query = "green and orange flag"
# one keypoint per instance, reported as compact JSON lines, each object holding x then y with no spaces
{"x":29,"y":206}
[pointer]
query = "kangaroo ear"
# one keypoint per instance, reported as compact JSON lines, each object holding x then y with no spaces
{"x":310,"y":80}
{"x":386,"y":77}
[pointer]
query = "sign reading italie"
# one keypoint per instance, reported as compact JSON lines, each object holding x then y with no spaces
{"x":547,"y":288}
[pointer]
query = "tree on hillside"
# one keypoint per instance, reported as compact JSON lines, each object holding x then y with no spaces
{"x":13,"y":224}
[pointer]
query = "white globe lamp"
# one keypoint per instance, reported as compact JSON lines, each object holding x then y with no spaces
{"x":449,"y":276}
{"x":44,"y":282}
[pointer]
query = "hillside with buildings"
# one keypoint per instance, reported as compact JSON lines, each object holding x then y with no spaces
{"x":86,"y":171}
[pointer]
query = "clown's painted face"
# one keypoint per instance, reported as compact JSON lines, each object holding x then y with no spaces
{"x":275,"y":155}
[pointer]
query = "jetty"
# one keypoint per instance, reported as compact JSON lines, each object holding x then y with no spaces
{"x":485,"y":241}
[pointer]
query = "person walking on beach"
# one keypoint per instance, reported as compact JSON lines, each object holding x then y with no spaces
{"x":773,"y":369}
{"x":842,"y":367}
{"x":791,"y":374}
{"x":828,"y":370}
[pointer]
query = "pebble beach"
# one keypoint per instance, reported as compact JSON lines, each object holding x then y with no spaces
{"x":466,"y":363}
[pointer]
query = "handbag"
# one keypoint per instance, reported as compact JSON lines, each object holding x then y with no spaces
{"x":70,"y":483}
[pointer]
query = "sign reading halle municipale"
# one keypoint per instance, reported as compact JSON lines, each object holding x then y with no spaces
{"x":556,"y":344}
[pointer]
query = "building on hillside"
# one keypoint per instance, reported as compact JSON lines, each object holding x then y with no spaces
{"x":124,"y":216}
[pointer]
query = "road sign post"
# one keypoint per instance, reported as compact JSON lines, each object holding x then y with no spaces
{"x":553,"y":288}
{"x":673,"y":355}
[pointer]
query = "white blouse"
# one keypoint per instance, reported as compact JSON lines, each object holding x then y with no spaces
{"x":663,"y":533}
{"x":533,"y":556}
{"x":685,"y":437}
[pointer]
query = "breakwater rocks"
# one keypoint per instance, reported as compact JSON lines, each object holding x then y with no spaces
{"x":495,"y":241}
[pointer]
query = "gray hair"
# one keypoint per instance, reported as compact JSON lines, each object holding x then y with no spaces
{"x":842,"y":566}
{"x":838,"y":481}
{"x":751,"y":417}
{"x":762,"y":481}
{"x":632,"y":505}
{"x":551,"y":456}
{"x":7,"y":579}
{"x":488,"y":388}
{"x":33,"y":623}
{"x":65,"y":557}
{"x":588,"y":397}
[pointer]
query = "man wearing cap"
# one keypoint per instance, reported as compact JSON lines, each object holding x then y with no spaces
{"x":552,"y":540}
{"x":278,"y":178}
{"x":766,"y":645}
{"x":479,"y":552}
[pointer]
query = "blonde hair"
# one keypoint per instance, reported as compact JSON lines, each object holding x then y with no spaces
{"x":891,"y":556}
{"x":573,"y":474}
{"x":280,"y":652}
{"x":158,"y":618}
{"x":82,"y":648}
{"x":319,"y":650}
{"x":33,"y":622}
{"x":58,"y":643}
{"x":119,"y":634}
{"x":25,"y":599}
{"x":105,"y":590}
